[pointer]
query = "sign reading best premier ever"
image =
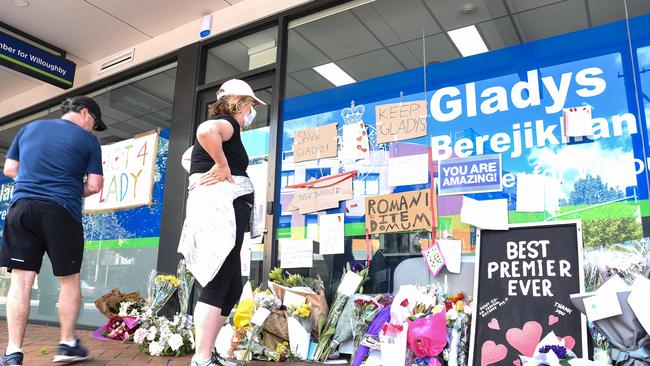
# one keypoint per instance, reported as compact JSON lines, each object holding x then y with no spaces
{"x":35,"y":62}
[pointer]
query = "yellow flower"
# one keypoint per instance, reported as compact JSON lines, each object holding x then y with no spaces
{"x":244,"y":313}
{"x":168,"y":278}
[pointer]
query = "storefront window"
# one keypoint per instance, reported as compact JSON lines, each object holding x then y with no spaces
{"x":504,"y":96}
{"x":121,"y":246}
{"x":244,"y":54}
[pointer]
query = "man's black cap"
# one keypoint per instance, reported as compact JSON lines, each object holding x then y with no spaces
{"x":93,"y":108}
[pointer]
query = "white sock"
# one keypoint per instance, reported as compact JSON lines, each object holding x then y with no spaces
{"x":69,"y":344}
{"x":12,"y":349}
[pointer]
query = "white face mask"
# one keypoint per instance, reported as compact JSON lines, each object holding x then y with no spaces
{"x":248,"y":119}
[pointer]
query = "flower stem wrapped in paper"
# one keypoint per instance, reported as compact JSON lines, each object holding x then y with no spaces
{"x":185,"y":283}
{"x":310,"y":288}
{"x":326,"y":329}
{"x":159,"y":289}
{"x":299,"y":323}
{"x":370,"y":340}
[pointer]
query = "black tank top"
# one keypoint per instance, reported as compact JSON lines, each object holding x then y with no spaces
{"x":233,"y":149}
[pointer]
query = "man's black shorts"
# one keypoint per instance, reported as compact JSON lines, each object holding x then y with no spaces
{"x":33,"y":227}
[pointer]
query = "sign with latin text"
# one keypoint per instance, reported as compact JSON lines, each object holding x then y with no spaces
{"x":401,"y":121}
{"x":406,"y":211}
{"x":129,"y":168}
{"x":522,"y":283}
{"x":473,"y":174}
{"x":36,"y":62}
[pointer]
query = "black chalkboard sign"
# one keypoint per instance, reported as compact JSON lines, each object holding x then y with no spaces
{"x":522,"y":283}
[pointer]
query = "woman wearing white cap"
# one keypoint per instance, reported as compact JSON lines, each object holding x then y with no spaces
{"x":218,"y":213}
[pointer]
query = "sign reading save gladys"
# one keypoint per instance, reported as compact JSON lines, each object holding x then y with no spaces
{"x":406,"y":211}
{"x":128,"y":174}
{"x":522,"y":284}
{"x":35,"y":62}
{"x":473,"y":174}
{"x":401,"y":121}
{"x":315,"y":143}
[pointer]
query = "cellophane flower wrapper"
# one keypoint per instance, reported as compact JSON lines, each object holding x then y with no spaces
{"x":349,"y":285}
{"x":363,"y":313}
{"x":427,"y":337}
{"x":373,"y":330}
{"x":344,"y":327}
{"x":117,"y":329}
{"x":548,"y":357}
{"x":160,"y":288}
{"x":185,"y":283}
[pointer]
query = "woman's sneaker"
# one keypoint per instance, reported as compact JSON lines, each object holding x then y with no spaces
{"x":14,"y":359}
{"x":69,"y":354}
{"x":215,"y":360}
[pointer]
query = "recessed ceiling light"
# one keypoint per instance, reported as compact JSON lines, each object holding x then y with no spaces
{"x":334,"y":74}
{"x":468,"y":40}
{"x":21,"y":3}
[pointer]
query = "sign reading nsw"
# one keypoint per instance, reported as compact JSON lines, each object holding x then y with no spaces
{"x":473,"y":174}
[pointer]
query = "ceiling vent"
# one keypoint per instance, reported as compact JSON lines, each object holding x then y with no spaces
{"x":116,"y":61}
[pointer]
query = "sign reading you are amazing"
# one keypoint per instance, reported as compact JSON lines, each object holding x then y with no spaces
{"x":129,"y":168}
{"x":524,"y":277}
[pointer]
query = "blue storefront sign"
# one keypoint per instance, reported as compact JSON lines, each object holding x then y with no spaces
{"x":35,"y":62}
{"x":473,"y":174}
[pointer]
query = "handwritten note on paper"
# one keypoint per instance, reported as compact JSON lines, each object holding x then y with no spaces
{"x":530,"y":193}
{"x":489,"y":214}
{"x":315,"y":143}
{"x":331,"y":233}
{"x":313,"y":199}
{"x":406,"y":211}
{"x":296,"y":253}
{"x":408,"y":170}
{"x":355,"y":142}
{"x":401,"y":121}
{"x":577,"y":122}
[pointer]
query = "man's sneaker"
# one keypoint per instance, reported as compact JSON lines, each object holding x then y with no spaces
{"x":69,"y":354}
{"x":215,"y":360}
{"x":14,"y":359}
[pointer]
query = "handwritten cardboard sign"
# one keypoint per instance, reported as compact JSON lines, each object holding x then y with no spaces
{"x":406,"y":211}
{"x":317,"y":197}
{"x":129,"y":167}
{"x":315,"y":143}
{"x":401,"y":121}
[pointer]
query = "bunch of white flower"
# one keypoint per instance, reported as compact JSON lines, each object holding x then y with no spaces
{"x":155,"y":348}
{"x":175,"y":342}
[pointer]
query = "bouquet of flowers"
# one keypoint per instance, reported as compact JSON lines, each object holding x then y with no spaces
{"x":326,"y":329}
{"x":550,"y":351}
{"x":123,"y":323}
{"x":158,"y":336}
{"x":265,"y":303}
{"x":281,"y":282}
{"x":159,"y":289}
{"x":109,"y":303}
{"x":299,"y":324}
{"x":370,"y":339}
{"x":427,"y":338}
{"x":363,"y":312}
{"x":393,"y":340}
{"x":185,"y":283}
{"x":458,"y":325}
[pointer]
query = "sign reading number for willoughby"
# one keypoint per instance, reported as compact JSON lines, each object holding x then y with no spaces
{"x":522,"y":283}
{"x":129,"y":167}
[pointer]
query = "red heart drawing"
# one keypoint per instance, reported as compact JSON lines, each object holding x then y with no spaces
{"x":492,"y":353}
{"x":552,"y":319}
{"x":494,"y":324}
{"x":569,"y":342}
{"x":516,"y":362}
{"x":359,"y":138}
{"x":525,"y":339}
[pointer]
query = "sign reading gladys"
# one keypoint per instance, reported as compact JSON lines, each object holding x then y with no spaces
{"x":469,"y":175}
{"x":35,"y":62}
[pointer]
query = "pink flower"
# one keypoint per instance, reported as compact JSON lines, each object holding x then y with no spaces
{"x":404,"y":303}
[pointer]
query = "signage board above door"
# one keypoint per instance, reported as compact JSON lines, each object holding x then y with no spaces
{"x":36,"y":62}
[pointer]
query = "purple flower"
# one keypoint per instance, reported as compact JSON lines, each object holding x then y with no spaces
{"x":559,"y":351}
